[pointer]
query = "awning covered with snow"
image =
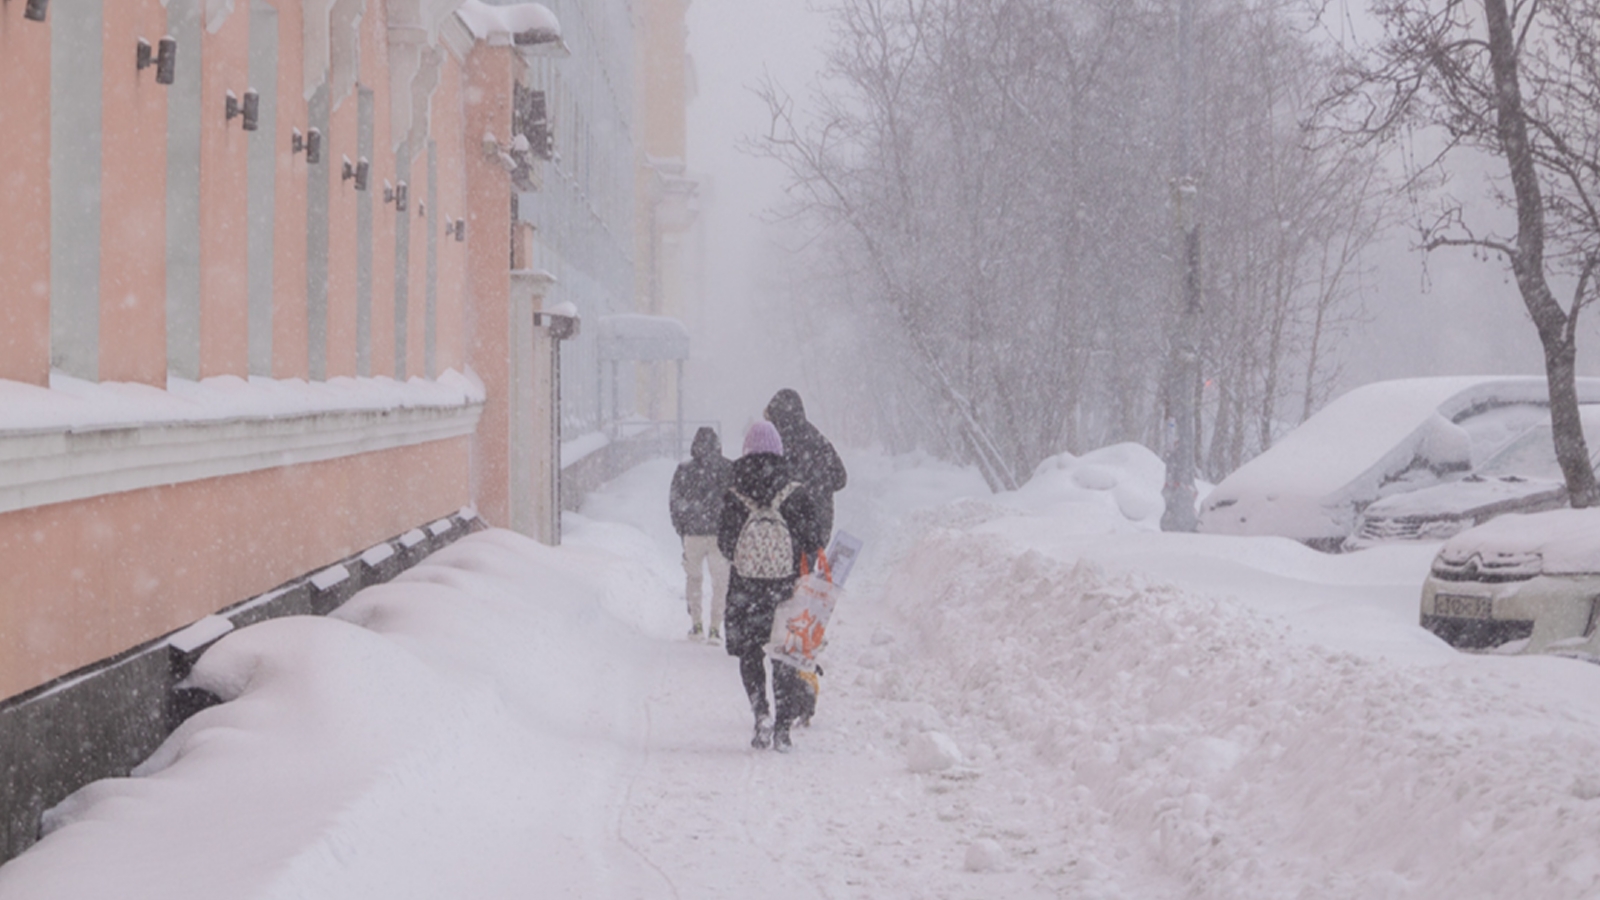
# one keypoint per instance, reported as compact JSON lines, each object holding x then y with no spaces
{"x":642,"y":338}
{"x":520,"y":24}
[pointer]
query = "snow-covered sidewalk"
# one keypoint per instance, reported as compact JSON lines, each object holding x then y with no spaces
{"x":1026,"y":696}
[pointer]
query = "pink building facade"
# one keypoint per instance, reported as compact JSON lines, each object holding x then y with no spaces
{"x":255,"y":317}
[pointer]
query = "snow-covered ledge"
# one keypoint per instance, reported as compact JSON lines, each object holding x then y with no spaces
{"x":78,"y":439}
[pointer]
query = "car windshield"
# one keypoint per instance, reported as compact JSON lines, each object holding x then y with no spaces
{"x":1533,"y":454}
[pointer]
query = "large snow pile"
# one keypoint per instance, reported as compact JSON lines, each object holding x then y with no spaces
{"x":442,"y":716}
{"x":1123,"y":480}
{"x":1138,"y":734}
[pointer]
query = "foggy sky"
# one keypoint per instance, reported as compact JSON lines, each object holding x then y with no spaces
{"x":1444,"y":315}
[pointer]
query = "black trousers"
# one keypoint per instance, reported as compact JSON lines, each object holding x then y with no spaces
{"x":751,"y":603}
{"x":788,"y":691}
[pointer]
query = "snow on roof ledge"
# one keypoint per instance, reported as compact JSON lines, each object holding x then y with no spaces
{"x":520,"y":25}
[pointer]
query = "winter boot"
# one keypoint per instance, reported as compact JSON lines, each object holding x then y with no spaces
{"x":780,"y":740}
{"x":714,"y":636}
{"x":763,"y":738}
{"x":695,"y":631}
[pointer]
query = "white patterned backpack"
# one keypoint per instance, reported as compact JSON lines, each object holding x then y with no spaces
{"x":765,"y":548}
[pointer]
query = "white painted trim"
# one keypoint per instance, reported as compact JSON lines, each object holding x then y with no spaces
{"x":47,"y":466}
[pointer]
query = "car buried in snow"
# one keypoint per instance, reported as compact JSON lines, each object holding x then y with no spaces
{"x":1521,"y":477}
{"x":1527,"y":583}
{"x":1380,"y":440}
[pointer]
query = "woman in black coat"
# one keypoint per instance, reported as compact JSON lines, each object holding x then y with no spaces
{"x":760,"y":477}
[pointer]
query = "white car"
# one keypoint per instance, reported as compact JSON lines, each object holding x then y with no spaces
{"x":1379,"y":440}
{"x":1521,"y":583}
{"x":1522,"y":477}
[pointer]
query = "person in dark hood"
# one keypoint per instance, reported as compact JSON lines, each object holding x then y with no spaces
{"x":811,"y":457}
{"x":765,"y":572}
{"x":696,"y":507}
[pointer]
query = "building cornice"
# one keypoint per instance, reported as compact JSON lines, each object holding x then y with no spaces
{"x":58,"y":465}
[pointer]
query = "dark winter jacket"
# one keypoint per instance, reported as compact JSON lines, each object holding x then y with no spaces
{"x":811,"y":457}
{"x":698,"y":486}
{"x":760,"y":476}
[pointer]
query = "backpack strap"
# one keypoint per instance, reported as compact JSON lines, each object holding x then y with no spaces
{"x":748,"y":503}
{"x":783,"y":495}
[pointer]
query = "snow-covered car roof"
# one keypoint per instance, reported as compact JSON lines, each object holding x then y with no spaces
{"x":1379,"y":438}
{"x":1567,"y":540}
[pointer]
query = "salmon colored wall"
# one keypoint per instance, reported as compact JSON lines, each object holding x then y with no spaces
{"x":344,"y":128}
{"x":25,"y":185}
{"x":489,"y":76}
{"x":133,"y":196}
{"x":289,"y":328}
{"x":449,"y":347}
{"x":375,"y":74}
{"x":224,"y":196}
{"x":417,"y":266}
{"x":89,"y":579}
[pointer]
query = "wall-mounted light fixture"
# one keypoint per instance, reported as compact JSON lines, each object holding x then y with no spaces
{"x":166,"y":60}
{"x":37,"y":9}
{"x":422,"y":210}
{"x":164,"y":57}
{"x":456,"y":229}
{"x":310,"y":142}
{"x":251,"y":111}
{"x":388,"y":191}
{"x":248,"y":109}
{"x":400,"y":192}
{"x":358,"y":171}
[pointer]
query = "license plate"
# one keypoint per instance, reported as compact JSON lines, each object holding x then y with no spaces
{"x":1461,"y":606}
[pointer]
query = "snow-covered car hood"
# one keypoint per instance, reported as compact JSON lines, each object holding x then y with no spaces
{"x":1468,"y":498}
{"x":1566,"y":540}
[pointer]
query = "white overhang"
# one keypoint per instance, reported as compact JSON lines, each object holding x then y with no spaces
{"x":640,"y":337}
{"x":525,"y":26}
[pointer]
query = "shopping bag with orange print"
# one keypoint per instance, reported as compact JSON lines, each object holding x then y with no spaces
{"x":800,"y":623}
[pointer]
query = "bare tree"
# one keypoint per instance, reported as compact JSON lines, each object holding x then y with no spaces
{"x":992,"y":173}
{"x":1520,"y":82}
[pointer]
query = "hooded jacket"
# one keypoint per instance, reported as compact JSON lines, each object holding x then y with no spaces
{"x":811,"y":457}
{"x":698,"y":486}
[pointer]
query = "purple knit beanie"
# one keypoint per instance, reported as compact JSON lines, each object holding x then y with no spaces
{"x":762,"y":438}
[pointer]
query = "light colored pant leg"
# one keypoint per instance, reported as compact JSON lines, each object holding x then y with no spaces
{"x":719,"y":583}
{"x":693,"y":581}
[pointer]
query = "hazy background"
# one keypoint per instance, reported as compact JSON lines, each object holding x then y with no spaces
{"x":1441,"y":315}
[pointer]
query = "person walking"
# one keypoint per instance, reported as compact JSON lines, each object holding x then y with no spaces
{"x":812,"y":459}
{"x":696,"y":506}
{"x":768,"y":523}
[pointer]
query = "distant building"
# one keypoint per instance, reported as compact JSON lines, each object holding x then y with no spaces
{"x":582,"y":214}
{"x":667,"y":196}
